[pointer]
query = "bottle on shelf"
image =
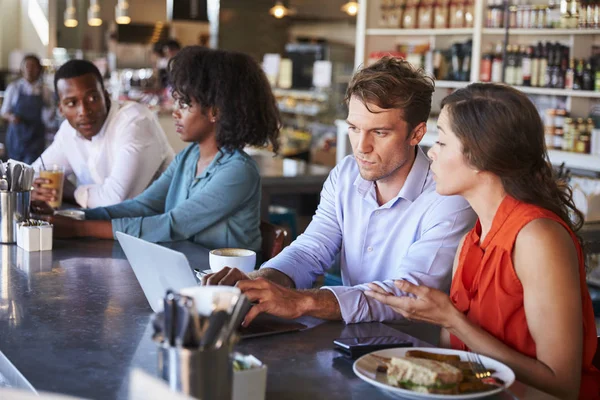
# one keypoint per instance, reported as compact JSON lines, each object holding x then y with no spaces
{"x":578,"y":81}
{"x":582,"y":18}
{"x":497,"y":64}
{"x":519,"y":54}
{"x":550,"y":64}
{"x":526,"y":62}
{"x":535,"y":65}
{"x":544,"y":64}
{"x":511,"y":66}
{"x":425,"y":13}
{"x":457,"y":14}
{"x":440,"y":14}
{"x":549,"y":127}
{"x":485,"y":70}
{"x":559,"y":124}
{"x":553,"y":14}
{"x":570,"y":75}
{"x":587,"y":81}
{"x":465,"y":70}
{"x":570,"y":131}
{"x":582,"y":142}
{"x":409,"y":16}
{"x":469,"y":14}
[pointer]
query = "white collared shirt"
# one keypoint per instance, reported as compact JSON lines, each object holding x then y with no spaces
{"x":129,"y":152}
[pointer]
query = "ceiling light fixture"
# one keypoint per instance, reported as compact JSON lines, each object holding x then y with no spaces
{"x":70,"y":15}
{"x":279,"y":10}
{"x":350,"y":8}
{"x":94,"y":18}
{"x":122,"y":12}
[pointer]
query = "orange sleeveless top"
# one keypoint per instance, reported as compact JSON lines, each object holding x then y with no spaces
{"x":487,"y":290}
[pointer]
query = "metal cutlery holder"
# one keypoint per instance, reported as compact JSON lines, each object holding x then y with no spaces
{"x":205,"y":374}
{"x":14,"y":208}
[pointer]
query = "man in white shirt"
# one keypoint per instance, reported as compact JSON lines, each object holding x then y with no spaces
{"x":114,"y":151}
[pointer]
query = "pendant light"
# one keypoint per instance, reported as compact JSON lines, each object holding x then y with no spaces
{"x":94,"y":18}
{"x":70,"y":15}
{"x":279,"y":10}
{"x":122,"y":12}
{"x":350,"y":8}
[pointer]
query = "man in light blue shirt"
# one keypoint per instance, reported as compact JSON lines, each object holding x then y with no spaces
{"x":379,"y":210}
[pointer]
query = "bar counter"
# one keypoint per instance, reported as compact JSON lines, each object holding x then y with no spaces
{"x":74,"y":320}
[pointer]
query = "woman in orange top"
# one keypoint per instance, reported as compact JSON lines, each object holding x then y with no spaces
{"x":518,"y":292}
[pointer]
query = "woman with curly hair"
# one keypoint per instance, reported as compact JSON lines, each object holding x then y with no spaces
{"x":518,"y":291}
{"x":210,"y":194}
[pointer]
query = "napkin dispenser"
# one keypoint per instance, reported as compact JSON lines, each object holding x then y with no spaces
{"x":33,"y":235}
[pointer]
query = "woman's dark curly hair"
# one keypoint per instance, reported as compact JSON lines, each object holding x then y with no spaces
{"x":233,"y":84}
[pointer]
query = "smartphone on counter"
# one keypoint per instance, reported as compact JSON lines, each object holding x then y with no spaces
{"x":358,"y":346}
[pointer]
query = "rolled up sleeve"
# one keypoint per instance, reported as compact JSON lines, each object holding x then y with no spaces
{"x":313,"y":252}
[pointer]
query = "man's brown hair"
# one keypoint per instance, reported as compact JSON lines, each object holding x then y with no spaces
{"x":394,"y":83}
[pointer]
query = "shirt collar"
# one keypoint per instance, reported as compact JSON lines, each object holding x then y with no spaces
{"x":34,"y":85}
{"x":114,"y":107}
{"x":220,"y":158}
{"x":414,"y":184}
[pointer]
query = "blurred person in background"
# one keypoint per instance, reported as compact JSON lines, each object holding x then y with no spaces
{"x":28,"y":108}
{"x":210,"y":194}
{"x":170,"y":48}
{"x":115,"y":151}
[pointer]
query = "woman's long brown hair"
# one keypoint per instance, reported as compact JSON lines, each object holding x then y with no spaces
{"x":501,"y":132}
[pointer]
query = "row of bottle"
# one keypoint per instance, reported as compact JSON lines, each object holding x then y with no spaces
{"x":567,"y":14}
{"x":426,"y":14}
{"x":544,"y":65}
{"x":453,"y":64}
{"x":567,"y":134}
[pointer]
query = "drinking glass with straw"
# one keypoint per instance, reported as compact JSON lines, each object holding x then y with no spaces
{"x":56,"y":177}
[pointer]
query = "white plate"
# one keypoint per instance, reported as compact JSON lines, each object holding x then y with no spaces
{"x":366,"y":369}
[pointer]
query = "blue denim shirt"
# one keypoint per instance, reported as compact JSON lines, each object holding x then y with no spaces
{"x":218,"y":208}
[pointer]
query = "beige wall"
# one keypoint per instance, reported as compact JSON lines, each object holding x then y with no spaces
{"x":30,"y":41}
{"x":9,"y":29}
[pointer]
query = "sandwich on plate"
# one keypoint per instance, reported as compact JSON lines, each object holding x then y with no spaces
{"x":424,"y":376}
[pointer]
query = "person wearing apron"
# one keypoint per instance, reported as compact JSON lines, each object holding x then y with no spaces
{"x":24,"y":106}
{"x":25,"y":137}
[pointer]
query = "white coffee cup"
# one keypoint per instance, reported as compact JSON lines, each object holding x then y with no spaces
{"x":242,"y":259}
{"x":211,"y":298}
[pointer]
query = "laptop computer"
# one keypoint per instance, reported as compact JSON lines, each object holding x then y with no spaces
{"x":158,"y":269}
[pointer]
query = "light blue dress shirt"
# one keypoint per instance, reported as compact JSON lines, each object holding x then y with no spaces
{"x":414,"y":236}
{"x":218,"y":208}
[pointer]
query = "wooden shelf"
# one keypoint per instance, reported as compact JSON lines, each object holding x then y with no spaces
{"x":418,"y":32}
{"x":541,"y":32}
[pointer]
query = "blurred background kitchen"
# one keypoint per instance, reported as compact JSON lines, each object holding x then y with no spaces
{"x":124,"y":39}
